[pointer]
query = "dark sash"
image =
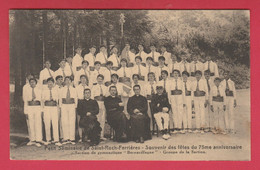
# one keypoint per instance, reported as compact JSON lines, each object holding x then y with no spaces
{"x":188,"y":93}
{"x":199,"y":93}
{"x":44,"y":82}
{"x":91,"y":68}
{"x":68,"y":101}
{"x":218,"y":99}
{"x":50,"y":103}
{"x":192,"y":74}
{"x":108,"y":83}
{"x":124,"y":79}
{"x":78,"y":68}
{"x":34,"y":103}
{"x":176,"y":92}
{"x":156,"y":64}
{"x":229,"y":93}
{"x":115,"y":68}
{"x":212,"y":74}
{"x":141,"y":78}
{"x":130,"y":64}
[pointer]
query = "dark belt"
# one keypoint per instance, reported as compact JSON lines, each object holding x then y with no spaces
{"x":143,"y":64}
{"x":78,"y":68}
{"x":44,"y":82}
{"x":103,"y":65}
{"x":115,"y":68}
{"x":218,"y":99}
{"x":212,"y":74}
{"x":124,"y":79}
{"x":149,"y":97}
{"x":50,"y":103}
{"x":176,"y":92}
{"x":99,"y":98}
{"x":192,"y":74}
{"x":199,"y":93}
{"x":34,"y":103}
{"x":68,"y":101}
{"x":229,"y":93}
{"x":188,"y":93}
{"x":108,"y":83}
{"x":160,"y":78}
{"x":91,"y":68}
{"x":141,"y":78}
{"x":130,"y":64}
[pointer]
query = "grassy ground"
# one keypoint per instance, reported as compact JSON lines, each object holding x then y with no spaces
{"x":169,"y":150}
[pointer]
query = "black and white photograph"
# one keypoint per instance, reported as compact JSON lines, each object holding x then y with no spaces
{"x":129,"y":84}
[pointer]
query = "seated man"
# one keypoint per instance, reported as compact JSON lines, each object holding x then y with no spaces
{"x":115,"y":115}
{"x":140,"y":122}
{"x":88,"y":110}
{"x":160,"y":109}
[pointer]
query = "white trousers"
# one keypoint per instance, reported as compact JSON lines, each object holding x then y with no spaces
{"x":68,"y":119}
{"x":150,"y":114}
{"x":187,"y":113}
{"x":218,"y":115}
{"x":101,"y":116}
{"x":35,"y":123}
{"x":158,"y":118}
{"x":229,"y":114}
{"x":177,"y":110}
{"x":199,"y":111}
{"x":60,"y":123}
{"x":79,"y":129}
{"x":51,"y":117}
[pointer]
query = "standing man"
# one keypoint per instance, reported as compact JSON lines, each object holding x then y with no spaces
{"x":102,"y":56}
{"x":209,"y":120}
{"x":32,"y":109}
{"x":141,"y":53}
{"x":45,"y":74}
{"x":108,"y":71}
{"x":98,"y":92}
{"x":114,"y":58}
{"x":231,"y":102}
{"x":218,"y":106}
{"x":154,"y":54}
{"x":200,"y":100}
{"x":176,"y":97}
{"x":165,"y":82}
{"x":128,"y":54}
{"x":83,"y":71}
{"x":116,"y":118}
{"x":135,"y":81}
{"x":139,"y":69}
{"x":88,"y":110}
{"x":68,"y":103}
{"x":188,"y":97}
{"x":68,"y":66}
{"x":166,"y":55}
{"x":50,"y":98}
{"x":195,"y":65}
{"x":161,"y":107}
{"x":150,"y":68}
{"x":124,"y":72}
{"x":93,"y":74}
{"x":77,"y":60}
{"x":90,"y":57}
{"x":211,"y":66}
{"x":140,"y":122}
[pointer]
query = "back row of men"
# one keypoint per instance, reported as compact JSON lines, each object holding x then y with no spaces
{"x":171,"y":92}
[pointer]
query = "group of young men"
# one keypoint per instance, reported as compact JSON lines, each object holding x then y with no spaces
{"x":133,"y":93}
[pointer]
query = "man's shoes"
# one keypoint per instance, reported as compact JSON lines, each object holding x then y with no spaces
{"x":58,"y":144}
{"x":72,"y":142}
{"x":183,"y":131}
{"x":46,"y":143}
{"x":190,"y":131}
{"x":38,"y":144}
{"x":202,"y":131}
{"x":65,"y":142}
{"x":196,"y":131}
{"x":164,"y":136}
{"x":141,"y":140}
{"x":80,"y":140}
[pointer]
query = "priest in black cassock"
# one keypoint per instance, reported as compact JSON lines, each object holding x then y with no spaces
{"x":116,"y":118}
{"x":88,"y":110}
{"x":139,"y":120}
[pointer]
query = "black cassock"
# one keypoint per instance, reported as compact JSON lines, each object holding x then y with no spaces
{"x":116,"y":118}
{"x":140,"y":124}
{"x":91,"y":127}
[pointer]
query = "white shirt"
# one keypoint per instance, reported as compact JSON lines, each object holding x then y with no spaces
{"x":202,"y":86}
{"x":76,"y":62}
{"x":214,"y":92}
{"x":45,"y":74}
{"x":69,"y":68}
{"x":96,"y":90}
{"x":212,"y":66}
{"x":101,"y":57}
{"x":142,"y":91}
{"x":80,"y":91}
{"x":199,"y":66}
{"x":174,"y":66}
{"x":94,"y":74}
{"x":135,"y":70}
{"x":152,"y":69}
{"x":175,"y":86}
{"x":148,"y":88}
{"x":183,"y":65}
{"x":107,"y":74}
{"x":119,"y":87}
{"x":131,"y":57}
{"x":27,"y":96}
{"x":90,"y":58}
{"x":73,"y":94}
{"x":188,"y":87}
{"x":155,"y":55}
{"x":165,"y":84}
{"x":79,"y":73}
{"x":167,"y":57}
{"x":126,"y":71}
{"x":231,"y":86}
{"x":115,"y":60}
{"x":60,"y":71}
{"x":46,"y":94}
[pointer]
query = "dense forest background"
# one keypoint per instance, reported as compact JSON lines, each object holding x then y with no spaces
{"x":37,"y":35}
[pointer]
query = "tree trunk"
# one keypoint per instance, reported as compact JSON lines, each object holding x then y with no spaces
{"x":44,"y":35}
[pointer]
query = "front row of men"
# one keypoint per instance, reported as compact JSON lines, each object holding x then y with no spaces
{"x":213,"y":106}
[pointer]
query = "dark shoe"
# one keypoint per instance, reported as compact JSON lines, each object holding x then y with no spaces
{"x":141,"y":140}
